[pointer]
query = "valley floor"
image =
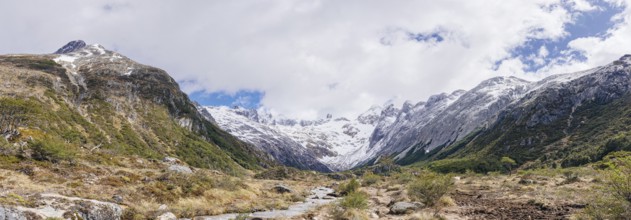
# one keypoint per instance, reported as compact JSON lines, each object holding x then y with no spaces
{"x":545,"y":194}
{"x":145,"y":189}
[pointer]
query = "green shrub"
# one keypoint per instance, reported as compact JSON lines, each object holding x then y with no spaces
{"x":51,"y":150}
{"x":606,"y":207}
{"x":277,"y":173}
{"x":355,"y":200}
{"x":349,"y":187}
{"x":404,"y":177}
{"x":3,"y":143}
{"x":508,"y":163}
{"x":620,"y":179}
{"x":172,"y":186}
{"x":229,"y":183}
{"x":242,"y":216}
{"x":370,"y":179}
{"x":430,"y":187}
{"x":132,"y":214}
{"x":615,"y":201}
{"x":570,"y":177}
{"x":462,"y":165}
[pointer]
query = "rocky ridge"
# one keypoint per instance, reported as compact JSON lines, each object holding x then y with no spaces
{"x":413,"y":131}
{"x":100,"y":102}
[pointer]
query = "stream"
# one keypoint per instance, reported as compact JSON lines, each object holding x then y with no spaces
{"x":314,"y":200}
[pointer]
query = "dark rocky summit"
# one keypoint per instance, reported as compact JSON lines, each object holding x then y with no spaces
{"x":71,"y":46}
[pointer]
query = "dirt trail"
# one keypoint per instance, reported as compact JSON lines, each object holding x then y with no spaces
{"x":479,"y":206}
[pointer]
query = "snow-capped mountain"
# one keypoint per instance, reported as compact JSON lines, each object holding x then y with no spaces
{"x":338,"y":143}
{"x":445,"y":119}
{"x":403,"y":132}
{"x":342,"y":143}
{"x":413,"y":130}
{"x":250,"y":126}
{"x":77,"y":54}
{"x":565,"y":120}
{"x":113,"y":106}
{"x":78,"y":57}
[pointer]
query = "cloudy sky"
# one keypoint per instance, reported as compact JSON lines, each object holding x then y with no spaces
{"x":307,"y":58}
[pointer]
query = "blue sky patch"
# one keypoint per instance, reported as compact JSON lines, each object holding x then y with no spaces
{"x":393,"y":35}
{"x":420,"y":37}
{"x":242,"y":98}
{"x":587,"y":24}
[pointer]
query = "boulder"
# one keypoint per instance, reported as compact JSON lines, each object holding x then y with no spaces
{"x":527,"y":181}
{"x":374,"y":215}
{"x":8,"y":213}
{"x":66,"y":208}
{"x":170,"y":160}
{"x":93,"y":210}
{"x":180,"y":169}
{"x":163,"y":207}
{"x":401,"y":208}
{"x":334,"y":194}
{"x":282,"y":189}
{"x":167,"y":216}
{"x":117,"y":199}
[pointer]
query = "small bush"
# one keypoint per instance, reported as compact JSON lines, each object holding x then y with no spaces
{"x":229,"y":183}
{"x":276,"y":173}
{"x":132,"y":214}
{"x":430,"y":187}
{"x":242,"y":216}
{"x":620,"y":179}
{"x":446,"y":201}
{"x":462,"y":165}
{"x":172,"y":186}
{"x":370,"y":179}
{"x":339,"y":213}
{"x":51,"y":150}
{"x":570,"y":177}
{"x":355,"y":200}
{"x":607,"y":207}
{"x":615,"y":203}
{"x":4,"y":143}
{"x":405,"y":177}
{"x":350,"y":187}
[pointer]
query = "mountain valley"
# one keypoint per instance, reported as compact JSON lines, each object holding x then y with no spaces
{"x":88,"y":133}
{"x":451,"y":125}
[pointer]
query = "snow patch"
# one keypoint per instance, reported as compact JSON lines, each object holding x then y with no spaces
{"x":65,"y":58}
{"x":129,"y":71}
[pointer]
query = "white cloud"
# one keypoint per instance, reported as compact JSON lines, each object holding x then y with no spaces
{"x":598,"y":50}
{"x":582,"y":5}
{"x":295,"y":50}
{"x":543,"y":51}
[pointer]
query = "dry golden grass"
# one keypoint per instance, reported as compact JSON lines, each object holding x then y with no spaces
{"x":137,"y":180}
{"x":145,"y":186}
{"x":17,"y":182}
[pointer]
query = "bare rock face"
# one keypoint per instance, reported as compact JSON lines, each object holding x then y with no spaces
{"x":167,"y":216}
{"x":423,"y":129}
{"x":8,"y":213}
{"x":258,"y":128}
{"x":401,"y":208}
{"x":180,"y":169}
{"x":58,"y":206}
{"x":71,"y":47}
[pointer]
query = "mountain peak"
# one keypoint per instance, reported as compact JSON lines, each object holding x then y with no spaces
{"x":626,"y":58}
{"x":71,"y":46}
{"x":499,"y":80}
